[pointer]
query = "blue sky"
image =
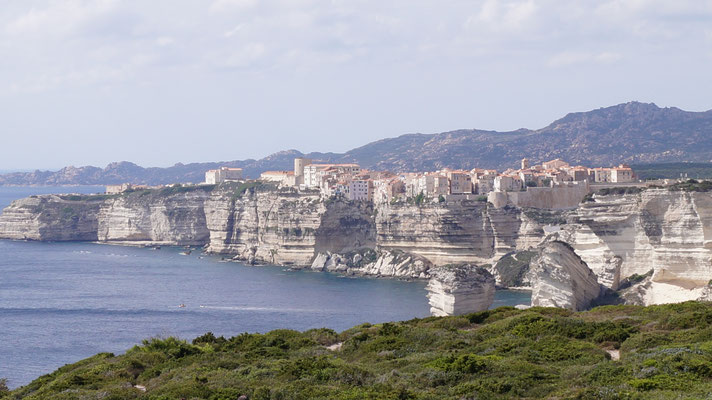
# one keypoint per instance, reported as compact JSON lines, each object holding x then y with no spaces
{"x":166,"y":81}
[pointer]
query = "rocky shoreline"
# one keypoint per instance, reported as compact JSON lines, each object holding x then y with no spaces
{"x":616,"y":237}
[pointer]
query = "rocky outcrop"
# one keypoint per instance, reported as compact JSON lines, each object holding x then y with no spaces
{"x":662,"y":287}
{"x":50,"y":218}
{"x":622,"y":235}
{"x":559,"y":278}
{"x":512,"y":270}
{"x":371,"y":263}
{"x":462,"y":289}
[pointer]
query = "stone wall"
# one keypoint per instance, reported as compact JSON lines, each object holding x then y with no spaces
{"x":564,"y":195}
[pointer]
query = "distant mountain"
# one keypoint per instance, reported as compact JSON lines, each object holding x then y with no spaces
{"x":632,"y":133}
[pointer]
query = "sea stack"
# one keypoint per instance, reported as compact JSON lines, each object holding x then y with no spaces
{"x":462,"y":289}
{"x":559,"y":278}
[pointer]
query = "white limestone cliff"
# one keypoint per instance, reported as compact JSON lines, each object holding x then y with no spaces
{"x":172,"y":219}
{"x":50,"y":218}
{"x":387,"y":264}
{"x":462,"y":289}
{"x":559,"y":278}
{"x":669,"y":232}
{"x":615,"y":235}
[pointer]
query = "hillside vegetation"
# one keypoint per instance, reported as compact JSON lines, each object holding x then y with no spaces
{"x":674,"y":170}
{"x":665,"y":352}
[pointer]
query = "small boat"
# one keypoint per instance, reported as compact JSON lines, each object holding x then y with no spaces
{"x":185,"y":253}
{"x":156,"y":248}
{"x":181,"y":305}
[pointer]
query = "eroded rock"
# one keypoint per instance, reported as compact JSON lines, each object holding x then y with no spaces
{"x":559,"y":278}
{"x":457,"y":290}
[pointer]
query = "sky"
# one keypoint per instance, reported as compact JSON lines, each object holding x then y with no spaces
{"x":167,"y":81}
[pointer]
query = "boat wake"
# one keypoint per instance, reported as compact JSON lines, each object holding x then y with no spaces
{"x":266,"y":309}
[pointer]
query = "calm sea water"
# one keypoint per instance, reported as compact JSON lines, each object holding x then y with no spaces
{"x":61,"y":302}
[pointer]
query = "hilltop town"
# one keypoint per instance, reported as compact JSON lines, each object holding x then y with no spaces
{"x":551,"y":184}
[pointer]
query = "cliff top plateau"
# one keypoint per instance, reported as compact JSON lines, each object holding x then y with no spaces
{"x":631,"y":133}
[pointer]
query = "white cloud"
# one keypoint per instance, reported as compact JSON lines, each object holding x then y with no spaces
{"x":300,"y":35}
{"x":232,"y":32}
{"x":406,"y":64}
{"x":59,"y":17}
{"x":566,"y":59}
{"x":223,"y":5}
{"x":504,"y":15}
{"x":245,"y":56}
{"x":165,"y":41}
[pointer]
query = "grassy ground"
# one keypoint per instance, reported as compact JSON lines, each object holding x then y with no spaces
{"x":665,"y":352}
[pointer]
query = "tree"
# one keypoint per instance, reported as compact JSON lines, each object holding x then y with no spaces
{"x":420,"y":198}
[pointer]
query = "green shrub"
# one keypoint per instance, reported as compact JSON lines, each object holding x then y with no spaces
{"x":465,"y":363}
{"x":171,"y":346}
{"x":500,"y":354}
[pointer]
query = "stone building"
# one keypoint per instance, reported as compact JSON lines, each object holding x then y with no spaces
{"x":223,"y":174}
{"x":622,"y":173}
{"x":460,"y":182}
{"x":286,"y":178}
{"x":299,"y":164}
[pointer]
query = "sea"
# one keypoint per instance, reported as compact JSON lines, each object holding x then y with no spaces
{"x":62,"y":302}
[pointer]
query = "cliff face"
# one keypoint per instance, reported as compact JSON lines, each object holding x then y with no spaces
{"x":371,"y":263}
{"x":263,"y":224}
{"x":559,"y":278}
{"x":149,"y":217}
{"x":285,"y":227}
{"x":50,"y":218}
{"x":174,"y":219}
{"x":616,"y":236}
{"x":460,"y":290}
{"x":458,"y":232}
{"x":669,"y":232}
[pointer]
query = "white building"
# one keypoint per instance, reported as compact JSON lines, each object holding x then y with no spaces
{"x":434,"y":185}
{"x":621,"y":173}
{"x":555,"y":164}
{"x":314,"y":173}
{"x":223,"y":174}
{"x":360,"y":190}
{"x":504,"y":183}
{"x":299,"y":164}
{"x":281,"y":177}
{"x":484,"y":183}
{"x":460,"y":182}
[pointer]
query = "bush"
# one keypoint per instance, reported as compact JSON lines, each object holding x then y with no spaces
{"x":466,"y":363}
{"x":171,"y":346}
{"x":501,"y":353}
{"x":4,"y":390}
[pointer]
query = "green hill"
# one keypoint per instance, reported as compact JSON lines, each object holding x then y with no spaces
{"x":665,"y":352}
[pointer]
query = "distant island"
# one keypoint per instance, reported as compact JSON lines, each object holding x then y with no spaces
{"x":632,"y":133}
